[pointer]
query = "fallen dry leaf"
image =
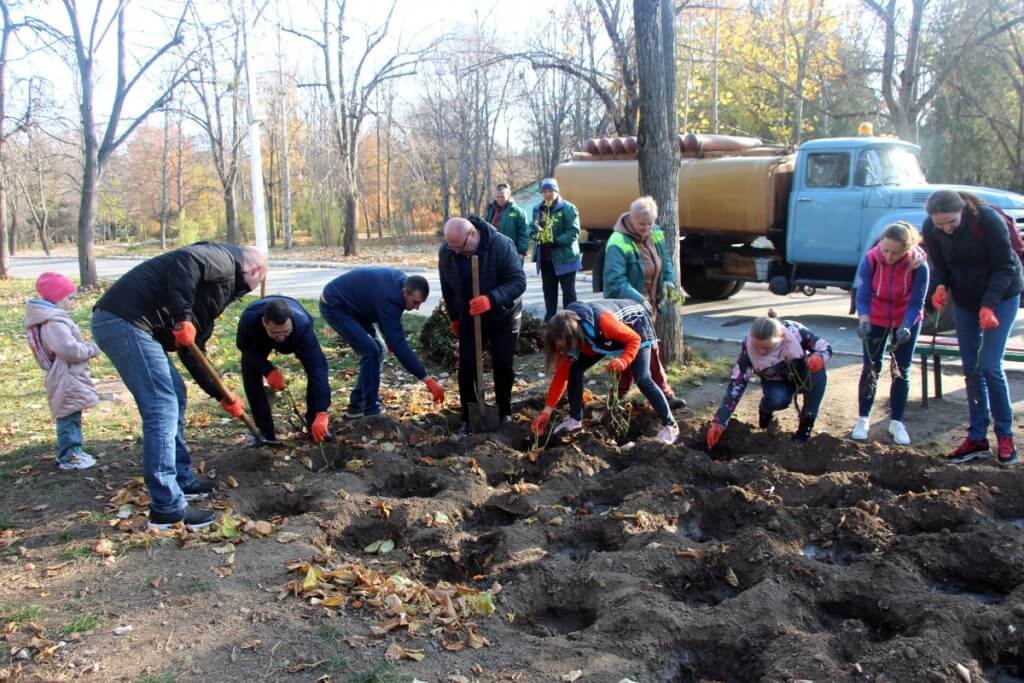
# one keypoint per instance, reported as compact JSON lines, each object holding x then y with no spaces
{"x":396,"y":652}
{"x":231,"y":482}
{"x":572,"y":675}
{"x":104,"y":547}
{"x":288,"y":536}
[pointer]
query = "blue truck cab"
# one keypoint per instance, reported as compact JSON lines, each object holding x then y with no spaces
{"x":845,"y":192}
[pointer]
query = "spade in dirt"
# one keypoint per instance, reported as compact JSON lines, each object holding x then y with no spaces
{"x":201,"y":358}
{"x":482,"y":417}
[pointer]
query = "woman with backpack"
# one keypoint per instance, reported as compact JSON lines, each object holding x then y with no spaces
{"x":974,"y":264}
{"x":617,"y":330}
{"x":891,"y":288}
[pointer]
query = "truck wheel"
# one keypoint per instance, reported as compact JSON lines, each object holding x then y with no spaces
{"x":701,"y":288}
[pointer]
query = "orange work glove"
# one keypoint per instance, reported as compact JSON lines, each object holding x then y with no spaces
{"x":275,"y":379}
{"x":479,"y":305}
{"x":987,"y":319}
{"x":184,"y":333}
{"x":455,"y":327}
{"x":436,"y":390}
{"x":715,"y":432}
{"x":319,"y":429}
{"x":940,"y":297}
{"x":618,"y":365}
{"x":815,"y":363}
{"x":540,"y":423}
{"x":232,"y":405}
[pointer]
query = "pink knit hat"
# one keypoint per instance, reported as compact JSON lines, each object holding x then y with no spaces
{"x":53,"y":287}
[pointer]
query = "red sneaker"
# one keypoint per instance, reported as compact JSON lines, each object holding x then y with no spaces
{"x":969,"y":449}
{"x":1006,"y":452}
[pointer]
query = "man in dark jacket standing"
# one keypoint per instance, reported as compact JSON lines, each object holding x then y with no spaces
{"x":163,"y":304}
{"x":352,"y":303}
{"x":281,"y":324}
{"x":510,"y":220}
{"x":502,"y":283}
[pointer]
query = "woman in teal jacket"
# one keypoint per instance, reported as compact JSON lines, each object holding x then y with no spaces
{"x":637,"y":266}
{"x":556,"y":230}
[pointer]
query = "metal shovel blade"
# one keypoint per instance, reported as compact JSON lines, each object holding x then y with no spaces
{"x":483,"y":417}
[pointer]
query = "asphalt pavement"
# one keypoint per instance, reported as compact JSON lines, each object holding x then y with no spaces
{"x":826,"y":313}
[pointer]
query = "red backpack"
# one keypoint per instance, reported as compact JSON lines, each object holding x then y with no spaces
{"x":1016,"y":243}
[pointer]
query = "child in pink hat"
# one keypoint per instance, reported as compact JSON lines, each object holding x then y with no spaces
{"x":58,"y":347}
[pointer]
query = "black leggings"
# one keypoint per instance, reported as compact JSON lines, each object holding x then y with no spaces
{"x":503,"y":346}
{"x":551,"y":282}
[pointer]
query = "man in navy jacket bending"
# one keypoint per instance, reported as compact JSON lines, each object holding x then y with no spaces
{"x":352,"y":304}
{"x":281,"y":324}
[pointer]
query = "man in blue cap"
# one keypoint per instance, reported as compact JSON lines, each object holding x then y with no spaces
{"x":356,"y":301}
{"x":556,"y":230}
{"x":281,"y":324}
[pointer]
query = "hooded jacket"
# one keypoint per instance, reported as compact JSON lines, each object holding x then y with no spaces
{"x":891,"y":295}
{"x":623,"y":265}
{"x":59,"y":349}
{"x":565,"y":233}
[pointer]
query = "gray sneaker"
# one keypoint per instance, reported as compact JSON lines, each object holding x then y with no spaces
{"x":76,"y":460}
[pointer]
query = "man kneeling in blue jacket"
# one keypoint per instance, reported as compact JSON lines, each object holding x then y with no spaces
{"x":281,"y":324}
{"x":351,"y":304}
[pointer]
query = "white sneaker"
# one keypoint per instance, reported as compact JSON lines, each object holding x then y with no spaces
{"x":569,"y":424}
{"x":79,"y":460}
{"x":860,"y":430}
{"x":899,"y":433}
{"x":669,"y":433}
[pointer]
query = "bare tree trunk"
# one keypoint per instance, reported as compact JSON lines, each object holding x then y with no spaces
{"x":349,"y":219}
{"x":657,"y":149}
{"x":164,"y":182}
{"x":234,"y":235}
{"x":87,"y":214}
{"x":12,"y":229}
{"x":286,"y":185}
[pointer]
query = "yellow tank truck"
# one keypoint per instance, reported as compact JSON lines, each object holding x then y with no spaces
{"x":799,"y":220}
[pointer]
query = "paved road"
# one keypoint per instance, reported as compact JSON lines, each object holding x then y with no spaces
{"x":825,"y":313}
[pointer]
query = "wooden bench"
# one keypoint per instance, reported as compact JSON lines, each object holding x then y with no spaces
{"x":948,"y":346}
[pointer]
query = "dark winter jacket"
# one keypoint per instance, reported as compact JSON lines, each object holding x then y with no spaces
{"x":194,"y":283}
{"x":978,"y":272}
{"x":374,"y":296}
{"x":255,"y":344}
{"x":513,"y":224}
{"x":501,"y":278}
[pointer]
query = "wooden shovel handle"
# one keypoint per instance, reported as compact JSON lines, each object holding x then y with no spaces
{"x":198,"y":354}
{"x":478,"y":335}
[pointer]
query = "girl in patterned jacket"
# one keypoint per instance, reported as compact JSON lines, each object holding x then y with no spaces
{"x":790,"y":360}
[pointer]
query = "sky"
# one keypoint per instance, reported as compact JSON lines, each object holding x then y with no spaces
{"x":415,"y":23}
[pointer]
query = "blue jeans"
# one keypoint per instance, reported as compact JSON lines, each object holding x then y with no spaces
{"x":367,"y":343}
{"x":779,"y":393}
{"x":641,"y":367}
{"x":69,"y":435}
{"x":903,"y":355}
{"x":982,"y":355}
{"x":159,"y":393}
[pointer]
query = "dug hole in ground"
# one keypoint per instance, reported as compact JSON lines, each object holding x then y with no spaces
{"x":401,"y":553}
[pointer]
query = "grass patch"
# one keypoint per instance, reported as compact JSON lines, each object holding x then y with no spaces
{"x":700,"y":368}
{"x":161,"y":677}
{"x":382,"y":672}
{"x":78,"y":552}
{"x":330,"y":634}
{"x":84,"y":622}
{"x":334,"y":665}
{"x":200,"y":586}
{"x":24,"y":614}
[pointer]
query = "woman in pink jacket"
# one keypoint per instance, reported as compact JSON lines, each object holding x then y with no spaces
{"x":892,"y":282}
{"x":59,"y":349}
